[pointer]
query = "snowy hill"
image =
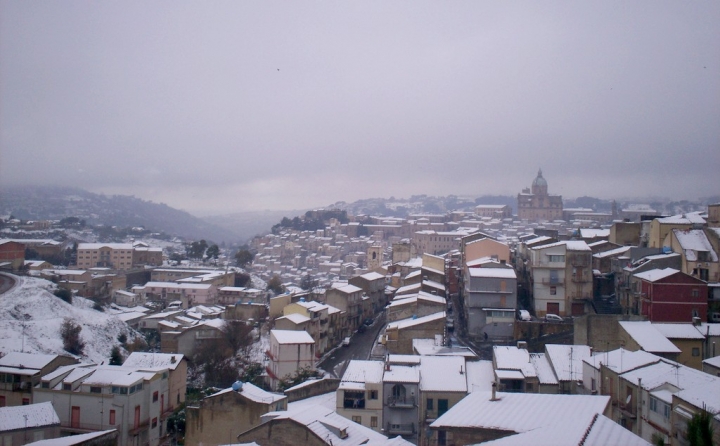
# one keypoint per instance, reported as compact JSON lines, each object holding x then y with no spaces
{"x":32,"y":317}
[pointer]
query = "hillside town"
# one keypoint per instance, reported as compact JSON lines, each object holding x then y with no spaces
{"x":533,"y":324}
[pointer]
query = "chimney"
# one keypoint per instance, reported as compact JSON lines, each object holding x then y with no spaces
{"x":494,"y":390}
{"x":522,"y":345}
{"x":172,"y":359}
{"x":696,"y":321}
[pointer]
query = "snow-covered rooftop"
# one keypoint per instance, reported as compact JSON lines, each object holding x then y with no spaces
{"x":28,"y":416}
{"x":566,"y":360}
{"x":359,"y":371}
{"x":656,"y":274}
{"x":402,"y":374}
{"x":292,"y":337}
{"x":499,"y":273}
{"x":648,"y":337}
{"x":522,"y":412}
{"x":443,"y":374}
{"x":409,"y":322}
{"x":153,"y":360}
{"x":678,"y":331}
{"x":694,"y":241}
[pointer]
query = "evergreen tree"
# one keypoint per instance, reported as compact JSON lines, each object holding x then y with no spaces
{"x":115,"y":356}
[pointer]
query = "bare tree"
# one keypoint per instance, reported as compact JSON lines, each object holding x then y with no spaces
{"x":237,"y":334}
{"x":70,"y":333}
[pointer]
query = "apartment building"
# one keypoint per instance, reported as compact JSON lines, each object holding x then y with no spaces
{"x":289,"y":352}
{"x":490,"y":302}
{"x":21,"y":372}
{"x":93,"y":398}
{"x":119,"y":256}
{"x":562,"y":278}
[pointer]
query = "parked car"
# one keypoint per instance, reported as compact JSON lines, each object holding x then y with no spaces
{"x":524,"y":315}
{"x":368,"y":321}
{"x":346,"y":341}
{"x":553,"y":318}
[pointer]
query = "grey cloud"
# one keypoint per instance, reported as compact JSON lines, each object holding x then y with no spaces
{"x":283,"y":105}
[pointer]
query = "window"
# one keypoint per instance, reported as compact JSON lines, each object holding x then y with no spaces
{"x":94,"y":389}
{"x":154,"y":423}
{"x":556,"y":258}
{"x":354,"y":400}
{"x":442,"y":438}
{"x":67,"y":386}
{"x":373,"y":394}
{"x":112,"y":417}
{"x":442,"y":406}
{"x":696,"y":351}
{"x":136,"y":424}
{"x":75,"y":417}
{"x":357,"y":419}
{"x":430,"y":405}
{"x":373,"y":422}
{"x":553,"y":290}
{"x":155,"y":396}
{"x":593,"y":384}
{"x":695,"y":292}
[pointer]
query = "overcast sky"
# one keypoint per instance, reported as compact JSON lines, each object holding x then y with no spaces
{"x":215,"y":106}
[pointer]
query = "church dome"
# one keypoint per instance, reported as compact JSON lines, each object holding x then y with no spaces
{"x":539,"y":180}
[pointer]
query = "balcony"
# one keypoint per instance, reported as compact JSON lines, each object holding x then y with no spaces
{"x":400,"y":429}
{"x":323,"y":321}
{"x":552,"y":281}
{"x":22,"y":386}
{"x":581,"y":279}
{"x":401,"y":402}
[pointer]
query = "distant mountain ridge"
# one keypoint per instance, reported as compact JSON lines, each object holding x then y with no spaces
{"x":55,"y":203}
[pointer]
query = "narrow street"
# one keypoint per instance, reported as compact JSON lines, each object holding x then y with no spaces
{"x":360,"y":346}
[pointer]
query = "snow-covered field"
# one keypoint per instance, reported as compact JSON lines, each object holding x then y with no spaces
{"x":31,"y":317}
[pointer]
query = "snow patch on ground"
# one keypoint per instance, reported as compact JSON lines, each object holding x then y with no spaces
{"x":31,"y":317}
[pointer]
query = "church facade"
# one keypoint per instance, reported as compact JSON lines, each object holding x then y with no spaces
{"x":535,"y":204}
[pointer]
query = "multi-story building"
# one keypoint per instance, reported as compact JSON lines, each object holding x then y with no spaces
{"x":175,"y":363}
{"x":562,"y":278}
{"x":189,"y":294}
{"x":536,"y":204}
{"x":669,"y":295}
{"x":20,"y":372}
{"x":120,"y":256}
{"x":290,"y":351}
{"x":94,"y":398}
{"x":493,"y":210}
{"x":360,"y":394}
{"x":219,"y":418}
{"x":699,"y":258}
{"x":490,"y":301}
{"x":317,"y":321}
{"x":349,"y":299}
{"x":401,"y":392}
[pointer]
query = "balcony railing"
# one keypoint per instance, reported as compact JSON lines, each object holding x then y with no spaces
{"x":401,"y":401}
{"x":580,"y":296}
{"x":554,"y":281}
{"x":401,"y":429}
